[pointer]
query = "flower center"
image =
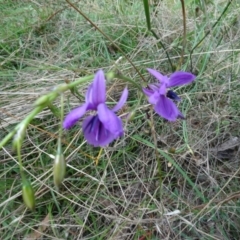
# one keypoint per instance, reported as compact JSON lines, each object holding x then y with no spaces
{"x":172,"y":95}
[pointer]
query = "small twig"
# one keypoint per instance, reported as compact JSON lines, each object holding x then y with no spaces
{"x":220,"y":202}
{"x":54,"y":14}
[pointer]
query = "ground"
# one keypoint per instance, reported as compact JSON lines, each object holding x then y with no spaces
{"x":162,"y":180}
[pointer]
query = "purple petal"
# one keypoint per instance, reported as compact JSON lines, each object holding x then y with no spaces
{"x":154,"y":98}
{"x":95,"y":132}
{"x":121,"y":101}
{"x":98,"y":94}
{"x":110,"y":121}
{"x":88,"y":96}
{"x":167,"y":109}
{"x":163,"y":89}
{"x":74,"y":115}
{"x":180,"y":78}
{"x":148,"y":91}
{"x":163,"y":79}
{"x":154,"y":87}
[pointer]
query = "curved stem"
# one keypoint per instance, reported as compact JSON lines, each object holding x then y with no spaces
{"x":45,"y":100}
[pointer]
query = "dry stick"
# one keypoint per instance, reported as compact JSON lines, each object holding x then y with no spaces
{"x":209,"y":31}
{"x":107,"y":37}
{"x":184,"y":31}
{"x":54,"y":14}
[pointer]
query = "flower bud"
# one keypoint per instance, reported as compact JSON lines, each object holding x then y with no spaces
{"x":28,"y":194}
{"x":59,"y":169}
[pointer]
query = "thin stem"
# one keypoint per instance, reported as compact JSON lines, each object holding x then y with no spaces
{"x":184,"y":31}
{"x":107,"y":37}
{"x":62,"y":115}
{"x":20,"y":160}
{"x":159,"y":163}
{"x":209,"y":31}
{"x":126,"y":79}
{"x":148,"y":20}
{"x":7,"y":138}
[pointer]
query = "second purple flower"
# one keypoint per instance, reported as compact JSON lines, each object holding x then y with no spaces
{"x":105,"y":126}
{"x":162,"y":98}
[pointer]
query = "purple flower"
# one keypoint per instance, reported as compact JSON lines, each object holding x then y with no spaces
{"x":105,"y":126}
{"x":162,"y":98}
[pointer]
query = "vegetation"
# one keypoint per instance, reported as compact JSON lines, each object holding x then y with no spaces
{"x":162,"y":180}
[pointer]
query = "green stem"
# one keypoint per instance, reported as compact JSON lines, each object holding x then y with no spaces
{"x":148,"y":20}
{"x":7,"y":138}
{"x":20,"y":160}
{"x":184,"y":31}
{"x":126,"y":79}
{"x":46,"y":100}
{"x":147,"y":14}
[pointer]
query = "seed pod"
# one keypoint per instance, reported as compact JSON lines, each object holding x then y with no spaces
{"x":28,"y":194}
{"x":59,"y":169}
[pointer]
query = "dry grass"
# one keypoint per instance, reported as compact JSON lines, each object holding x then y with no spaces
{"x":43,"y":44}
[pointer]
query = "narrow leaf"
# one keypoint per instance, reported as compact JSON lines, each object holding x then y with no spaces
{"x":147,"y":14}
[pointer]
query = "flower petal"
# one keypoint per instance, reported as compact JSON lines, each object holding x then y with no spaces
{"x":95,"y":132}
{"x":148,"y":91}
{"x":110,"y":121}
{"x":154,"y":98}
{"x":180,"y":78}
{"x":163,"y":79}
{"x":98,"y":94}
{"x":74,"y":115}
{"x":167,"y":109}
{"x":121,"y":101}
{"x":89,"y":96}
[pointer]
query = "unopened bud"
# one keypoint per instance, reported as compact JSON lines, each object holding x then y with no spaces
{"x":28,"y":194}
{"x":59,"y":170}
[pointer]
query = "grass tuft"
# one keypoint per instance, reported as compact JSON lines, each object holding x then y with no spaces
{"x":191,"y":190}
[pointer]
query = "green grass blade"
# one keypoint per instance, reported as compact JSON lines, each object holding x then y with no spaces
{"x":147,"y":14}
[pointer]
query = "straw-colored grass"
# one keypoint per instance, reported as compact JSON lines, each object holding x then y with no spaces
{"x":188,"y":188}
